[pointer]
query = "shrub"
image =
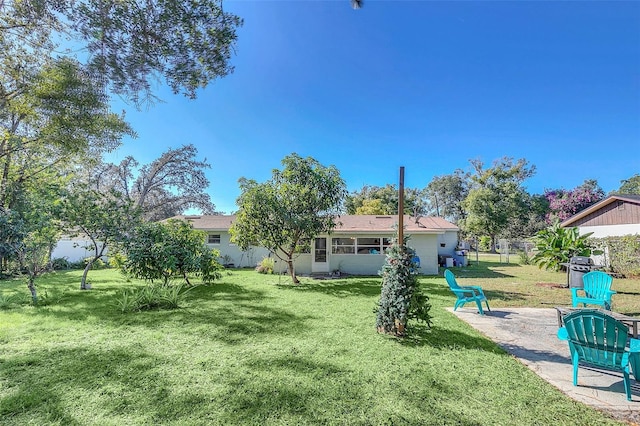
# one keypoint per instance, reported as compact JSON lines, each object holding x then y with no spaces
{"x":623,"y":253}
{"x":60,"y":263}
{"x":524,"y":258}
{"x":266,"y":266}
{"x":152,"y":296}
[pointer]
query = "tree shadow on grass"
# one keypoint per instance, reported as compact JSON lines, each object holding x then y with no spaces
{"x":224,"y":312}
{"x":432,"y":288}
{"x":443,"y":338}
{"x":360,"y":286}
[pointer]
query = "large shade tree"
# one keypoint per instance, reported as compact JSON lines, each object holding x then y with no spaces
{"x":384,"y":200}
{"x":496,"y":197}
{"x":128,"y":45}
{"x":630,"y":186}
{"x":446,"y":194}
{"x":298,"y":203}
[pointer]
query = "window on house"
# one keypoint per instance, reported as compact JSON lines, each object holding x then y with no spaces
{"x":213,"y":239}
{"x":369,"y":246}
{"x":343,"y":245}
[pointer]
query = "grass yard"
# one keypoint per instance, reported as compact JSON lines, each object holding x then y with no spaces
{"x":254,"y":349}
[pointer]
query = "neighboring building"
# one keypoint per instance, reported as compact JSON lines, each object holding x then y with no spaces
{"x":616,"y":215}
{"x":355,"y":246}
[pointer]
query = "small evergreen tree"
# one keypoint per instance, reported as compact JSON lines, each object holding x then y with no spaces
{"x":401,"y":299}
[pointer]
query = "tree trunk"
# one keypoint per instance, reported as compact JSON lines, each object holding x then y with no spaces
{"x":32,"y":288}
{"x":83,"y":281}
{"x":292,"y":272}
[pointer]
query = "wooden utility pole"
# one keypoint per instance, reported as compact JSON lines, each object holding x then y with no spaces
{"x":401,"y":208}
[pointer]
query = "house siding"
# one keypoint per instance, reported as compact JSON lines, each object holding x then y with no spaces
{"x":618,"y":212}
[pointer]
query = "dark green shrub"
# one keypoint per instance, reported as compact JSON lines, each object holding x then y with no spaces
{"x":401,"y":299}
{"x":60,"y":263}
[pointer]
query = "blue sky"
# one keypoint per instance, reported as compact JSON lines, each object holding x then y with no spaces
{"x":422,"y":84}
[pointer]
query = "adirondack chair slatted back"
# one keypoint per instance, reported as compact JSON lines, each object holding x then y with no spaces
{"x":597,"y":338}
{"x":597,"y":284}
{"x":451,"y":280}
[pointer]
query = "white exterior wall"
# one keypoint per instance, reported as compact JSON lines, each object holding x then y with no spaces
{"x":426,"y":247}
{"x":73,"y":250}
{"x":239,"y":258}
{"x":450,"y":240}
{"x":603,"y":231}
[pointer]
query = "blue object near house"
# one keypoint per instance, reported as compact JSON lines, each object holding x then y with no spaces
{"x":465,"y":294}
{"x":597,"y":290}
{"x":600,"y":340}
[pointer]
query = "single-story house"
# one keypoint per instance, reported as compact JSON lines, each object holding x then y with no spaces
{"x":355,"y":246}
{"x":614,"y":216}
{"x":73,"y":249}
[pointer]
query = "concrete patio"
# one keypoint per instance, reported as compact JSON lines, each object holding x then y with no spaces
{"x":529,"y":334}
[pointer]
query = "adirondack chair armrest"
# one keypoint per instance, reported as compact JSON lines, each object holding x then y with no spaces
{"x":473,"y":287}
{"x":464,"y":292}
{"x":634,"y":345}
{"x":562,"y":334}
{"x":611,"y":292}
{"x":574,"y":292}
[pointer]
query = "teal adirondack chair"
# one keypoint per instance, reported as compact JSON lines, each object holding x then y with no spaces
{"x":465,"y":294}
{"x":600,"y":340}
{"x":597,"y":290}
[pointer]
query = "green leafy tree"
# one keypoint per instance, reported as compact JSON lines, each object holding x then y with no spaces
{"x":630,"y":186}
{"x":286,"y":212}
{"x":401,"y":299}
{"x":556,"y":245}
{"x":51,"y":119}
{"x":41,"y":232}
{"x":166,"y":250}
{"x":496,"y":196}
{"x":12,"y":234}
{"x":129,"y":44}
{"x":384,"y":200}
{"x":446,"y":194}
{"x":105,"y":219}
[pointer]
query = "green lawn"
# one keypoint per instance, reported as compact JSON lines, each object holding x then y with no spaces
{"x":254,"y":349}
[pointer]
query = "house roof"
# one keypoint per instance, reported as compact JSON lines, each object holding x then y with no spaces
{"x":344,"y":223}
{"x":597,"y":206}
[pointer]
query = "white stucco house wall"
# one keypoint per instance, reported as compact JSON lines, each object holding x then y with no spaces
{"x":356,"y":245}
{"x":73,"y":249}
